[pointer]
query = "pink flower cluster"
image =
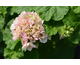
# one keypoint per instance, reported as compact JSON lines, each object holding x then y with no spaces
{"x":28,"y":27}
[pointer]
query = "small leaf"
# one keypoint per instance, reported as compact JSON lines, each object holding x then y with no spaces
{"x":54,"y":30}
{"x":50,"y":30}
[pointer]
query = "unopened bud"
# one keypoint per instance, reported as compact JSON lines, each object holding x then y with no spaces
{"x":68,"y":27}
{"x":67,"y":32}
{"x":71,"y":29}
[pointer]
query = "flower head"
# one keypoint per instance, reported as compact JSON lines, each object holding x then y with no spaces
{"x":28,"y":27}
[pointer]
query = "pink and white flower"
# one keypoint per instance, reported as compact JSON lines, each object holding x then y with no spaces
{"x":28,"y":27}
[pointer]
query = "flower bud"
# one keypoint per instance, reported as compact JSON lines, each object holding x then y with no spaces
{"x":71,"y":29}
{"x":67,"y":32}
{"x":68,"y":27}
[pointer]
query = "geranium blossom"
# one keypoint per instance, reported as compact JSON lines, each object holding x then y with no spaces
{"x":28,"y":27}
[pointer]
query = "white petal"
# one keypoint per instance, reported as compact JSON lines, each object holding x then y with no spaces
{"x":49,"y":37}
{"x":12,"y":27}
{"x":42,"y":21}
{"x":33,"y":45}
{"x":29,"y":48}
{"x":24,"y":47}
{"x":43,"y":40}
{"x":28,"y":44}
{"x":23,"y":12}
{"x":14,"y":38}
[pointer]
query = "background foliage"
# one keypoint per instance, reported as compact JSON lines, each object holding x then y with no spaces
{"x":55,"y":18}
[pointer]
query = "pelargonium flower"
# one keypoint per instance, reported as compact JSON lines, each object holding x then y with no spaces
{"x":28,"y":27}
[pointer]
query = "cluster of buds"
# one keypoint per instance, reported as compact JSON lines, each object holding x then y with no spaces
{"x":66,"y":31}
{"x":28,"y":27}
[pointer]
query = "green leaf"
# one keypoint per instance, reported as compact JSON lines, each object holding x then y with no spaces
{"x":50,"y":27}
{"x":12,"y":54}
{"x":9,"y":23}
{"x":46,"y":12}
{"x":76,"y":9}
{"x":19,"y":9}
{"x":7,"y":37}
{"x":2,"y":22}
{"x":60,"y":12}
{"x":3,"y":10}
{"x":75,"y":37}
{"x":70,"y":19}
{"x":56,"y":12}
{"x":15,"y":53}
{"x":54,"y":30}
{"x":50,"y":30}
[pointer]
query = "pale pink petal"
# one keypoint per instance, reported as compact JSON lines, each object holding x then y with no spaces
{"x":43,"y":40}
{"x":29,"y":48}
{"x":49,"y":37}
{"x":32,"y":45}
{"x":12,"y":27}
{"x":24,"y":47}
